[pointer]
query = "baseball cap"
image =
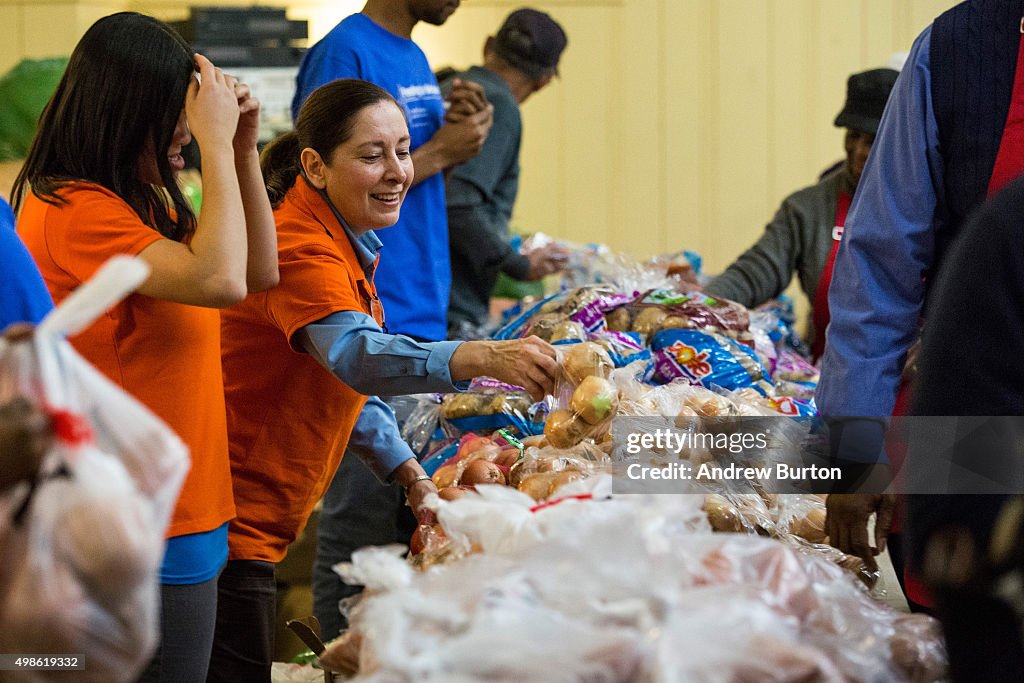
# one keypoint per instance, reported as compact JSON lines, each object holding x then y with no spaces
{"x":531,"y":41}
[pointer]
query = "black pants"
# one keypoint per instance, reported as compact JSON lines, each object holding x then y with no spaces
{"x":357,"y":511}
{"x":243,"y":645}
{"x":187,"y":616}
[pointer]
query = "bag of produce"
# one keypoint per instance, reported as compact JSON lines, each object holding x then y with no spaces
{"x":667,"y":309}
{"x":567,"y":316}
{"x":81,"y":544}
{"x":708,"y":359}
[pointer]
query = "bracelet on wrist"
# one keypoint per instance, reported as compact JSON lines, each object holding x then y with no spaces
{"x":421,"y":477}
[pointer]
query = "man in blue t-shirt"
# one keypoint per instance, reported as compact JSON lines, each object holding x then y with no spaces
{"x":414,"y":274}
{"x":23,"y":295}
{"x":375,"y":45}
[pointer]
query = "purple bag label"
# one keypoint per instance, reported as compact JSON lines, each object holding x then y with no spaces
{"x":625,"y":340}
{"x":680,"y":360}
{"x":489,"y":384}
{"x":591,"y":316}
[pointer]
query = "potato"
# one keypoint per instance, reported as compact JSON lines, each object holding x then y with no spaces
{"x":510,"y":404}
{"x":568,"y":330}
{"x":564,"y":477}
{"x":518,"y":472}
{"x":557,"y":464}
{"x":721,"y":514}
{"x":648,"y":321}
{"x":482,"y":472}
{"x":586,"y":359}
{"x":534,"y":441}
{"x":544,"y":326}
{"x":810,"y":527}
{"x":537,"y":486}
{"x":563,"y":429}
{"x":710,"y":407}
{"x":455,"y":406}
{"x":618,"y":320}
{"x":676,"y":322}
{"x":109,"y":543}
{"x":446,"y":475}
{"x":595,"y":400}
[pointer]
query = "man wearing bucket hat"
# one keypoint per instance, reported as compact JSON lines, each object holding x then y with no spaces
{"x":805,"y":233}
{"x":521,"y":59}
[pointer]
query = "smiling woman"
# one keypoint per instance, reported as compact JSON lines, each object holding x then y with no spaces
{"x":342,"y":174}
{"x":368,"y":174}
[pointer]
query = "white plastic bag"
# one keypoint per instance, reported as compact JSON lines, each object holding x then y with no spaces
{"x":82,"y":545}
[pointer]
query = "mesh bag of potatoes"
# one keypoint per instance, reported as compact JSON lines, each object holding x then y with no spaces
{"x":586,"y":399}
{"x":566,"y":316}
{"x":666,"y":309}
{"x":489,"y":405}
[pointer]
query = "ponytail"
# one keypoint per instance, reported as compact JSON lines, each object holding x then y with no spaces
{"x":281,"y":165}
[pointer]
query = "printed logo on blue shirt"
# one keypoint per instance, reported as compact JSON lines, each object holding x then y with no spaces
{"x":415,"y":101}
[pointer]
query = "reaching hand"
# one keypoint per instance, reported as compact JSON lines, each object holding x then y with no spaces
{"x":416,"y":494}
{"x":544,"y":262}
{"x":846,"y":523}
{"x":529,"y":363}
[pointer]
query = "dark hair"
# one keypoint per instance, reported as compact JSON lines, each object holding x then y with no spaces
{"x":124,"y":86}
{"x":325,"y":121}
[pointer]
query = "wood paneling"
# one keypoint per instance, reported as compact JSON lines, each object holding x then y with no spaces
{"x":676,"y":123}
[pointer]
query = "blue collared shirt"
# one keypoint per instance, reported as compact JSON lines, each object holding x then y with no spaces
{"x":356,"y":350}
{"x":878,"y":288}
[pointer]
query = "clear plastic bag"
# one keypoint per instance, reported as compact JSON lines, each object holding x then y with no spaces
{"x":624,"y":588}
{"x":585,"y":399}
{"x":82,"y":545}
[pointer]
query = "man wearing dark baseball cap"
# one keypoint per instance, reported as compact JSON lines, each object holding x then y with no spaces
{"x":531,"y":41}
{"x":804,"y":235}
{"x":519,"y":60}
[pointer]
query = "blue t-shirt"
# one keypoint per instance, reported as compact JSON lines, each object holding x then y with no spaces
{"x":23,"y":294}
{"x":414,"y":274}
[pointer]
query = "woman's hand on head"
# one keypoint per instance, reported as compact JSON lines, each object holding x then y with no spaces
{"x":211,"y":105}
{"x":248,"y":132}
{"x":529,"y":363}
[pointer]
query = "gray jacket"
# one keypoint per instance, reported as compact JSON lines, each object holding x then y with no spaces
{"x":799,"y":238}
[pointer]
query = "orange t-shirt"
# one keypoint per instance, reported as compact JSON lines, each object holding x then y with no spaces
{"x":165,"y":354}
{"x":289,"y":419}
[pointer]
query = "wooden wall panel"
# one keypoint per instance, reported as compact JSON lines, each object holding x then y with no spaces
{"x":676,"y":123}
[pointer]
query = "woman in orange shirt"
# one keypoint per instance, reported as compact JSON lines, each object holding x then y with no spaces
{"x":300,"y":360}
{"x":98,"y":181}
